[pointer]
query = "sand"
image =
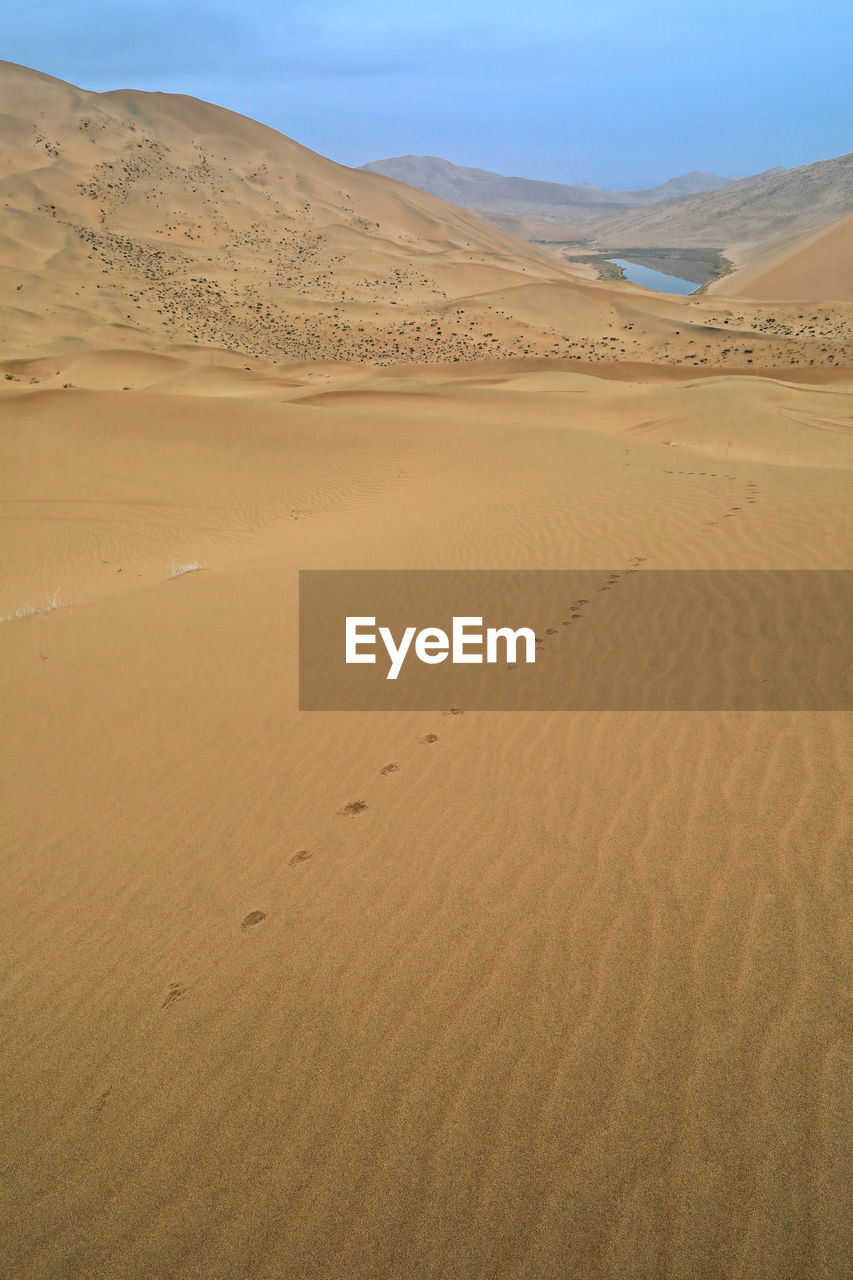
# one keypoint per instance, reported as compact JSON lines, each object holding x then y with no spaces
{"x":816,"y":266}
{"x":399,"y":994}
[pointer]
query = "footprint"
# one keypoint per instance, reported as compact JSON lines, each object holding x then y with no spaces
{"x":389,"y":768}
{"x":354,"y":806}
{"x":301,"y":855}
{"x":429,"y":737}
{"x":102,"y":1100}
{"x":176,"y":992}
{"x":254,"y":917}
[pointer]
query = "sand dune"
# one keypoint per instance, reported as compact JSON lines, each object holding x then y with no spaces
{"x":815,"y":266}
{"x":148,"y":217}
{"x":149,"y":220}
{"x":405,"y":995}
{"x":616,"y":990}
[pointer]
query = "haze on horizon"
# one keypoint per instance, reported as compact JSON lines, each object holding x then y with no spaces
{"x":621,"y":95}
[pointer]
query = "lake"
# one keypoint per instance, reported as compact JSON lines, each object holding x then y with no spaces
{"x":651,"y":279}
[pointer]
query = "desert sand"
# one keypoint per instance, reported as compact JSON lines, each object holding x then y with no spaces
{"x":397,"y":995}
{"x":817,"y":265}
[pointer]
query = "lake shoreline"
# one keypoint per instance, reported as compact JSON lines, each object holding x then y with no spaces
{"x":698,"y":267}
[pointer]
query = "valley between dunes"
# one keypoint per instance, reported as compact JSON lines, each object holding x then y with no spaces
{"x":564,"y":997}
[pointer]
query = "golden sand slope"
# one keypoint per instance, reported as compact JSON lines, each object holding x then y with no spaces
{"x":136,"y":218}
{"x":812,"y":267}
{"x":145,"y":221}
{"x":561,"y":1000}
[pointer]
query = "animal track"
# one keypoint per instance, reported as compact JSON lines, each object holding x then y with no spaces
{"x":176,"y":992}
{"x":576,"y":614}
{"x":254,"y":917}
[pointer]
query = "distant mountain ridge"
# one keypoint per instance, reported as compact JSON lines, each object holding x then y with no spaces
{"x":744,"y":217}
{"x":487,"y":192}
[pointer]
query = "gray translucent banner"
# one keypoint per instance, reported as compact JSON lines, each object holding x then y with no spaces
{"x":587,"y":640}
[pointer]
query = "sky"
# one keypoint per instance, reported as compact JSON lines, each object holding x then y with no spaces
{"x":620,"y":93}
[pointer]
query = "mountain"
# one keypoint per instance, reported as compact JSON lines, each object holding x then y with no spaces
{"x":744,"y":218}
{"x":688,"y":184}
{"x":487,"y":192}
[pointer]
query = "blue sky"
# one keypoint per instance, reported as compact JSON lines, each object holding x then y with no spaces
{"x":616,"y":92}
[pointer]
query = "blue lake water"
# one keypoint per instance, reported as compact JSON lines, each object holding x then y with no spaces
{"x":651,"y":279}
